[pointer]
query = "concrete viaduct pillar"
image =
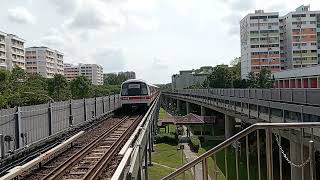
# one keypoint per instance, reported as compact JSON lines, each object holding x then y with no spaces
{"x":203,"y":111}
{"x":229,"y":123}
{"x":178,"y":106}
{"x":188,"y":107}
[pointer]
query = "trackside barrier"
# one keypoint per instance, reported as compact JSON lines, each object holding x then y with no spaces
{"x":18,"y":170}
{"x":25,"y":126}
{"x":137,"y":151}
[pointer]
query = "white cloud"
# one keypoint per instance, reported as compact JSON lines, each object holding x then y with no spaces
{"x":21,"y":15}
{"x":159,"y":64}
{"x":111,"y":59}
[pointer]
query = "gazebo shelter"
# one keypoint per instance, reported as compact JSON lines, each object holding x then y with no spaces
{"x":187,"y":120}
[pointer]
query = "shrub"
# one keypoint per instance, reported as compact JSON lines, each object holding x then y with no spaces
{"x":194,"y":143}
{"x":166,"y":138}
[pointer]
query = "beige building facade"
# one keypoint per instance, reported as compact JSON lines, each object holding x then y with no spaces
{"x":44,"y":61}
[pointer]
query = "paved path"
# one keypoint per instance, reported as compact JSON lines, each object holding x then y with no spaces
{"x":191,"y":156}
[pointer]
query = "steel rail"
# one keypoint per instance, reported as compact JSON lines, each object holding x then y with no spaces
{"x":58,"y":172}
{"x":236,"y":137}
{"x":99,"y":167}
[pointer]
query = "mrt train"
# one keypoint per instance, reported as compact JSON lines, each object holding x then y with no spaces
{"x":137,"y":94}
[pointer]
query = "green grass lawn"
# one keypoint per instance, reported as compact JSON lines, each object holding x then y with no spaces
{"x":167,"y":155}
{"x":231,"y":161}
{"x":162,"y":114}
{"x":212,"y":166}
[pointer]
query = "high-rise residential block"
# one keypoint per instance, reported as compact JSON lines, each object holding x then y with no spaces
{"x":278,"y":43}
{"x":44,"y":61}
{"x":300,"y":32}
{"x":11,"y":51}
{"x":260,"y":42}
{"x":3,"y":58}
{"x":92,"y":72}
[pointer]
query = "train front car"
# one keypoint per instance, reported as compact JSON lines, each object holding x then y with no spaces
{"x":136,"y":94}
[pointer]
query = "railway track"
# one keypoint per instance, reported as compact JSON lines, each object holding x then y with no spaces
{"x":92,"y":159}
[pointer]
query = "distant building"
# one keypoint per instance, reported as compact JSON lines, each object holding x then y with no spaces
{"x":11,"y":51}
{"x":92,"y":72}
{"x":188,"y":78}
{"x":71,"y":71}
{"x":260,"y":42}
{"x":279,"y":43}
{"x":128,"y":74}
{"x":44,"y":61}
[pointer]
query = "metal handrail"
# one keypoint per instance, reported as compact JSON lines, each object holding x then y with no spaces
{"x":235,"y":138}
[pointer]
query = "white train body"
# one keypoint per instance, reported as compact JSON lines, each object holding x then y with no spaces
{"x":136,"y":92}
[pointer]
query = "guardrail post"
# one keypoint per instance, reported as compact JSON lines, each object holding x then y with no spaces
{"x":85,"y":110}
{"x":1,"y":146}
{"x":269,"y":154}
{"x":109,"y":103}
{"x":50,"y":118}
{"x":70,"y":113}
{"x":205,"y":169}
{"x":95,"y":106}
{"x":312,"y":160}
{"x":103,"y":110}
{"x":17,"y":127}
{"x":114,"y":102}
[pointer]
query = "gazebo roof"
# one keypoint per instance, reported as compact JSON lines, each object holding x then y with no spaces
{"x":189,"y":119}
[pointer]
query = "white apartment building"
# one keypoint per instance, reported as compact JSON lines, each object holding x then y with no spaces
{"x":11,"y":51}
{"x":299,"y":38}
{"x":260,"y":42}
{"x":44,"y":61}
{"x":295,"y":35}
{"x":92,"y":72}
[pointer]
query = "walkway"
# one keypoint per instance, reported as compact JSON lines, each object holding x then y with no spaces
{"x":191,"y":156}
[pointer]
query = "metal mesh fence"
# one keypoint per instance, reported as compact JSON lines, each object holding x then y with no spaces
{"x":23,"y":126}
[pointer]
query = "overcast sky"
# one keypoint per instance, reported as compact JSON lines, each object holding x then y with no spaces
{"x":154,"y":38}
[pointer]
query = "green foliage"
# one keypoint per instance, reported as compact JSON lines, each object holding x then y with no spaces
{"x":58,"y":88}
{"x":166,"y":138}
{"x":20,"y":89}
{"x":263,"y":79}
{"x":114,"y":79}
{"x":220,"y":77}
{"x":230,"y":77}
{"x":80,"y":87}
{"x":195,"y":143}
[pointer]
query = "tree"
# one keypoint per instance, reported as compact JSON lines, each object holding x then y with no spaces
{"x":58,"y":88}
{"x":100,"y":90}
{"x":114,"y":79}
{"x":252,"y":80}
{"x":220,"y":78}
{"x":264,"y":79}
{"x":80,"y":87}
{"x":4,"y":80}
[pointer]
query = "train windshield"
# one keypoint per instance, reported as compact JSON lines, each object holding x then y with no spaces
{"x":134,"y":89}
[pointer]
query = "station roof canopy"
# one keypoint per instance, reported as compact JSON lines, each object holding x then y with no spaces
{"x":189,"y":119}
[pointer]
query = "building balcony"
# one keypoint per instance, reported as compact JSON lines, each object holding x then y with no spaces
{"x":297,"y":55}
